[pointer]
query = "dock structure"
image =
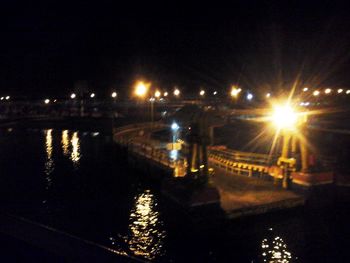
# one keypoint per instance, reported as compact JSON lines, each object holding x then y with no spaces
{"x":236,"y":185}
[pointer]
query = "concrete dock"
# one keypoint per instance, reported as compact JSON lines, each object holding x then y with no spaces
{"x":241,"y":195}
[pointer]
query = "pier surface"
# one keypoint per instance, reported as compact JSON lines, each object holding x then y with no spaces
{"x":241,"y":195}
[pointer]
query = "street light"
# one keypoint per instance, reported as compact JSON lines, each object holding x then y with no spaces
{"x":114,"y":94}
{"x":215,"y":92}
{"x":202,"y":93}
{"x":316,"y":93}
{"x":268,"y":95}
{"x":157,"y":94}
{"x":47,"y":101}
{"x":305,"y":89}
{"x":235,"y":91}
{"x":166,"y":94}
{"x":348,"y":91}
{"x":73,"y":96}
{"x":284,"y":117}
{"x":177,"y":92}
{"x":7,"y":97}
{"x":250,"y":96}
{"x":141,"y":89}
{"x":340,"y":91}
{"x":327,"y":91}
{"x":92,"y":95}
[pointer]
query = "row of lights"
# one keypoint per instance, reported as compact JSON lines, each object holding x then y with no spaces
{"x":5,"y":98}
{"x":326,"y":91}
{"x":92,"y":95}
{"x":141,"y":90}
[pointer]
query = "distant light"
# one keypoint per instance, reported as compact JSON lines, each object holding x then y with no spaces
{"x":47,"y":101}
{"x":114,"y":94}
{"x":157,"y":94}
{"x":235,"y":91}
{"x":250,"y":96}
{"x":327,"y":91}
{"x":7,"y":97}
{"x":176,"y":92}
{"x":175,"y":126}
{"x":348,"y":91}
{"x":316,"y":93}
{"x":2,"y":98}
{"x":92,"y":95}
{"x":340,"y":91}
{"x":54,"y":100}
{"x":174,"y":154}
{"x":72,"y":96}
{"x":165,"y":94}
{"x":141,"y":88}
{"x":152,"y":99}
{"x":215,"y":92}
{"x":202,"y":92}
{"x":268,"y":95}
{"x":305,"y":89}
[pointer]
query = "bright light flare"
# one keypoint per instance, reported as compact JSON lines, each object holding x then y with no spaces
{"x":176,"y":92}
{"x":249,"y":96}
{"x":235,"y":92}
{"x":316,"y":93}
{"x":175,"y":126}
{"x":157,"y":94}
{"x":165,"y":94}
{"x":284,"y":117}
{"x":327,"y":91}
{"x":268,"y":95}
{"x":141,"y":88}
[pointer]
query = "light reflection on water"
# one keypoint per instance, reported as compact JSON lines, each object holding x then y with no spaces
{"x":75,"y":155}
{"x":65,"y":142}
{"x":274,"y":250}
{"x":146,"y":237}
{"x":49,"y":163}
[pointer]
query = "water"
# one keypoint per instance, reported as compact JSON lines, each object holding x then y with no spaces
{"x":77,"y":182}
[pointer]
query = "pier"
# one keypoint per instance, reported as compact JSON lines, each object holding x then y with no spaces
{"x":239,"y":183}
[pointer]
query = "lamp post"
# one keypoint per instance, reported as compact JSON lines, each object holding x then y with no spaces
{"x":141,"y":90}
{"x":285,"y":120}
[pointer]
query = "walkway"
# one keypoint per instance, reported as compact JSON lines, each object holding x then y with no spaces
{"x":242,"y":195}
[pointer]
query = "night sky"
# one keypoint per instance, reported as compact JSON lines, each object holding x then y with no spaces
{"x":47,"y":47}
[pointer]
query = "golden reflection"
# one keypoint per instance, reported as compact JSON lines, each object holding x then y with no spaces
{"x":49,"y":164}
{"x":146,"y":237}
{"x":274,"y":250}
{"x":65,"y":142}
{"x":75,"y":155}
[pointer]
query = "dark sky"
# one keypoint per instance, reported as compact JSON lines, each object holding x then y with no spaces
{"x":47,"y":46}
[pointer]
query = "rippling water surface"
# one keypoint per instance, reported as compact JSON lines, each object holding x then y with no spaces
{"x":76,"y":181}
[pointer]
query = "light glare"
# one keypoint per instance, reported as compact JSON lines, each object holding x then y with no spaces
{"x":284,"y":117}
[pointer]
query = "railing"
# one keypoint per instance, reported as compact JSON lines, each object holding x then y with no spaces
{"x":243,"y":163}
{"x":159,"y":155}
